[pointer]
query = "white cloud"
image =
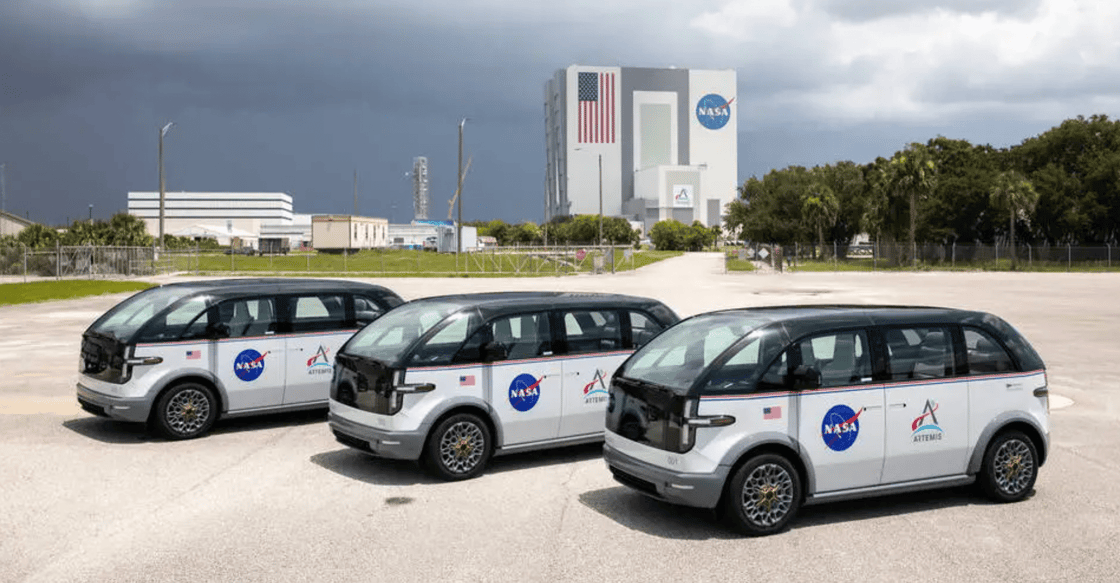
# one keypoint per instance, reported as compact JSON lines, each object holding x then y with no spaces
{"x":941,"y":61}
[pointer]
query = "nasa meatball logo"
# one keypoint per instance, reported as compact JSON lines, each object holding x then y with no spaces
{"x":249,"y":365}
{"x":713,"y":111}
{"x":840,"y":427}
{"x":524,"y":391}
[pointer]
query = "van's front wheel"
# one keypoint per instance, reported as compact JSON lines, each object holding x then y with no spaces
{"x":185,"y":411}
{"x":763,"y":495}
{"x":459,"y":447}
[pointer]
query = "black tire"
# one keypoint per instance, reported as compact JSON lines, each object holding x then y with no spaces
{"x":185,"y":411}
{"x":458,"y":448}
{"x":1010,"y":467}
{"x":762,"y":496}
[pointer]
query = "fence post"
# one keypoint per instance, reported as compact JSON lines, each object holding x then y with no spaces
{"x":875,"y":257}
{"x":954,"y":259}
{"x":25,"y":265}
{"x":1069,"y":257}
{"x":1109,"y":245}
{"x":997,"y":254}
{"x":57,"y":261}
{"x":835,"y":258}
{"x":1030,"y":255}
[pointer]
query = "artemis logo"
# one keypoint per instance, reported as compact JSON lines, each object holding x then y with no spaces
{"x":596,"y":390}
{"x":713,"y":111}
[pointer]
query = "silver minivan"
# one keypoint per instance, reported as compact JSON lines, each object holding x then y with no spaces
{"x":180,"y":356}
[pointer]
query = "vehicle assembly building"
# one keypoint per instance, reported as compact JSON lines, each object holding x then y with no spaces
{"x":644,"y":144}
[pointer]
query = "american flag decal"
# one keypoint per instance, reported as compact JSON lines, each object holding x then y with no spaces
{"x":771,"y":412}
{"x":194,"y":355}
{"x":466,"y":380}
{"x":596,"y":108}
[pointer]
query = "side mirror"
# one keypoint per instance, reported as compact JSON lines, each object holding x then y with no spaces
{"x":494,"y":351}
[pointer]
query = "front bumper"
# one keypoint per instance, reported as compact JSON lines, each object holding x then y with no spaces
{"x":700,"y":490}
{"x":121,"y":408}
{"x":401,"y":445}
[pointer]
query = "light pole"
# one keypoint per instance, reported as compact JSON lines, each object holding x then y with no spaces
{"x":91,"y":214}
{"x":162,"y":187}
{"x":459,"y":189}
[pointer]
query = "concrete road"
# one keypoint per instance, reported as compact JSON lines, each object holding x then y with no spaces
{"x":277,"y":499}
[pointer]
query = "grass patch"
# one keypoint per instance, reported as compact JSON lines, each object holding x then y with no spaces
{"x":43,"y":291}
{"x":412,"y":263}
{"x":735,"y":264}
{"x":867,"y":264}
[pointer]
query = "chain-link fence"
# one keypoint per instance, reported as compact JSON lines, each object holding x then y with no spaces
{"x":901,"y":256}
{"x":99,"y":262}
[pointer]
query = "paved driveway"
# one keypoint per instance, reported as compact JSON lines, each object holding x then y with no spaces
{"x":277,"y":499}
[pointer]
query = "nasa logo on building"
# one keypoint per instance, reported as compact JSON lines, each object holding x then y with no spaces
{"x":713,"y":111}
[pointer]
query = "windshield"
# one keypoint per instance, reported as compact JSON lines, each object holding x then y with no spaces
{"x":127,"y":317}
{"x":676,"y":357}
{"x":388,"y":337}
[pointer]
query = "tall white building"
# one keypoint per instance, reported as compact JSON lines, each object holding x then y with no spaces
{"x":666,"y":140}
{"x":420,"y":188}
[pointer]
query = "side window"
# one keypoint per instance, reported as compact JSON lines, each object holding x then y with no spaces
{"x":591,"y":331}
{"x":186,"y":321}
{"x":443,"y":346}
{"x":642,"y":329}
{"x":919,"y":353}
{"x":522,"y":336}
{"x":318,"y":313}
{"x":834,"y":359}
{"x":248,"y":317}
{"x":366,"y":310}
{"x":985,"y":355}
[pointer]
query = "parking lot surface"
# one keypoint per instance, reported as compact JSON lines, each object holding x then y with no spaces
{"x":278,"y":499}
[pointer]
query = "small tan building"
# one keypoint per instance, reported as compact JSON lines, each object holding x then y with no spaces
{"x":341,"y":232}
{"x":12,"y":224}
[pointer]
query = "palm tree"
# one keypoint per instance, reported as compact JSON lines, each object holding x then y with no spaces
{"x":911,"y":172}
{"x":1016,"y":195}
{"x":820,"y":209}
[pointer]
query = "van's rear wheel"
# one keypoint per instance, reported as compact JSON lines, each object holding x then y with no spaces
{"x":1010,"y":467}
{"x":763,"y":495}
{"x":459,"y":447}
{"x":185,"y":411}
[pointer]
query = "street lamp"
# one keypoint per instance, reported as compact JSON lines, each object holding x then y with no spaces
{"x":600,"y":196}
{"x":162,"y":187}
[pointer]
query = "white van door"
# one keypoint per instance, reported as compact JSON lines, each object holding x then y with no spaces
{"x":250,"y":361}
{"x":927,"y":407}
{"x":319,"y":327}
{"x":526,"y":387}
{"x":841,"y":418}
{"x":594,"y":341}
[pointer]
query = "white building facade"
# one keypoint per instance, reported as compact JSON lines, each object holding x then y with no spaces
{"x":216,"y":211}
{"x":666,"y":139}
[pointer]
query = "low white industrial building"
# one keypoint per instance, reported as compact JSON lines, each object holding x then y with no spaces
{"x":215,"y":211}
{"x":296,"y":234}
{"x":224,"y":235}
{"x":12,"y":224}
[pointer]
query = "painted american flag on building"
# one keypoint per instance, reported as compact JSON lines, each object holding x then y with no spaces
{"x":596,"y":117}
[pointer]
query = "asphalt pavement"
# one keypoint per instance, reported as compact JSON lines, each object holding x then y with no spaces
{"x":278,"y":499}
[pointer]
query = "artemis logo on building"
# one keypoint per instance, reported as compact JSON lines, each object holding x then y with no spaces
{"x":713,"y":111}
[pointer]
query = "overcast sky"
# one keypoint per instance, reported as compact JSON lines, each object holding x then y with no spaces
{"x":293,"y":96}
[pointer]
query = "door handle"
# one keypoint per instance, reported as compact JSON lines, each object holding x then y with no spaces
{"x":1014,"y":386}
{"x":870,"y":407}
{"x":898,"y":405}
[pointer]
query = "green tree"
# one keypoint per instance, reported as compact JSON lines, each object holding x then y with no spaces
{"x":909,"y":175}
{"x":38,"y":236}
{"x":1015,"y":195}
{"x":820,"y":209}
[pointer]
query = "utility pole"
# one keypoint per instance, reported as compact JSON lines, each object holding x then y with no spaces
{"x":355,"y":192}
{"x":162,"y":186}
{"x":3,"y":196}
{"x":459,"y":224}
